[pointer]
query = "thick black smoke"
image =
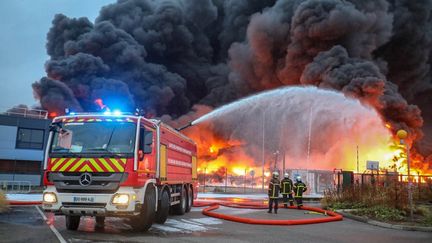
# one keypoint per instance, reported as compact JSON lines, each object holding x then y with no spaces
{"x":167,"y":56}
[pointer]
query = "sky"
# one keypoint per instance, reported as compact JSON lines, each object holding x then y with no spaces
{"x":23,"y":28}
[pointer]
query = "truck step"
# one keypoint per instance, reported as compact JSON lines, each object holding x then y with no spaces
{"x":175,"y":194}
{"x":175,"y":202}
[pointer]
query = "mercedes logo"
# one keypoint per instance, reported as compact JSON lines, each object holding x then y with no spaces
{"x":85,"y":179}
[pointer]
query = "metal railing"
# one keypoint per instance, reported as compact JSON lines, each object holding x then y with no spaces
{"x":15,"y":186}
{"x":25,"y":112}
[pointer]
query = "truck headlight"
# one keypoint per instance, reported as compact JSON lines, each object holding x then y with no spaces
{"x":122,"y":199}
{"x":49,"y":197}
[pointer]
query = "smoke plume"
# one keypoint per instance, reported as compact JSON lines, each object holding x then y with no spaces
{"x":166,"y":57}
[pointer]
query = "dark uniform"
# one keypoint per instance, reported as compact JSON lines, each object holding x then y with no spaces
{"x":299,"y":188}
{"x":286,"y":190}
{"x":273,"y":192}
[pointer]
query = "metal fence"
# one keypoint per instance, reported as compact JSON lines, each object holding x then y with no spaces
{"x":15,"y":186}
{"x":317,"y":181}
{"x":25,"y":112}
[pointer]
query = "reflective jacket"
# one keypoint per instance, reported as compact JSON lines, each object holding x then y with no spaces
{"x":299,"y":188}
{"x":274,"y":188}
{"x":286,"y":186}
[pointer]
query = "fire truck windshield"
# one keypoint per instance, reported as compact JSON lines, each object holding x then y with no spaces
{"x":95,"y":137}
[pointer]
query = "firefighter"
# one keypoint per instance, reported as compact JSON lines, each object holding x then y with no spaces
{"x":299,"y":188}
{"x":286,"y":190}
{"x":273,"y":192}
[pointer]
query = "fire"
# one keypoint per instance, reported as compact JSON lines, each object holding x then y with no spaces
{"x":52,"y":114}
{"x":218,"y":157}
{"x":101,"y":105}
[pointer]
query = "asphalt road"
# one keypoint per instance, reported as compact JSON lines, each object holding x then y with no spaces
{"x":26,"y":224}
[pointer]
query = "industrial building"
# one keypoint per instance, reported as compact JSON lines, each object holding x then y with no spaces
{"x":23,"y":136}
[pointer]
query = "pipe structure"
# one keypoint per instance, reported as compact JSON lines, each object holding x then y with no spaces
{"x":184,"y":127}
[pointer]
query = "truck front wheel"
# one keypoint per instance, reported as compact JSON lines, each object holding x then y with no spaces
{"x":72,"y":222}
{"x":144,"y":220}
{"x":163,"y":208}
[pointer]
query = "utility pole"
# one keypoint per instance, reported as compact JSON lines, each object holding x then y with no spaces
{"x":263,"y":147}
{"x":276,"y":158}
{"x":283,"y":161}
{"x":357,"y":160}
{"x":402,"y":134}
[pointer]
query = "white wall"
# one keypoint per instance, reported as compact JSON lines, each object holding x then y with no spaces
{"x":8,"y":136}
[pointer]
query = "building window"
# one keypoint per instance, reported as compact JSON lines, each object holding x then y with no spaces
{"x":30,"y":138}
{"x":20,"y":167}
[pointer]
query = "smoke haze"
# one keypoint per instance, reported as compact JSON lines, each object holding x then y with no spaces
{"x":167,"y":57}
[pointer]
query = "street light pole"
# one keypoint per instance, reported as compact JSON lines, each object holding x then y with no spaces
{"x":263,"y":147}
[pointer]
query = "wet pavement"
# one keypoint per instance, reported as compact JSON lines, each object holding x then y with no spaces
{"x":25,"y":224}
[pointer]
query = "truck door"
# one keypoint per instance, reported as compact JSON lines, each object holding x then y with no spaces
{"x":147,"y":152}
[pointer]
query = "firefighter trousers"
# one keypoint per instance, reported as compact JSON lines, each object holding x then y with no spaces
{"x":285,"y":199}
{"x":299,"y":201}
{"x":271,"y":202}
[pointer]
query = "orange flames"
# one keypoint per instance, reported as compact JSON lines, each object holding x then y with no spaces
{"x":218,"y":156}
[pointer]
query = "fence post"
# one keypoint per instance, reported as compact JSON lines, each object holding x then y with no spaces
{"x":226,"y":178}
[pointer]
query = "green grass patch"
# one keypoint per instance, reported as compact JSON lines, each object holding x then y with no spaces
{"x":381,"y":213}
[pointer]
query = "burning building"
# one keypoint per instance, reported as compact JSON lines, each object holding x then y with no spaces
{"x":181,"y":59}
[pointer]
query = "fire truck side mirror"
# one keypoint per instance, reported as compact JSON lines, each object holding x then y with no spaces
{"x":146,"y":141}
{"x":55,"y":127}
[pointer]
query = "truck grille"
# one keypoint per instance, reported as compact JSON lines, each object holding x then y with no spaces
{"x":98,"y":182}
{"x":86,"y":205}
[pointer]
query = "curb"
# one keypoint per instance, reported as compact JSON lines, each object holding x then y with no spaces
{"x":365,"y":220}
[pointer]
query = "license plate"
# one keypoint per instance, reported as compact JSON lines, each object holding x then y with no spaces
{"x":83,"y":199}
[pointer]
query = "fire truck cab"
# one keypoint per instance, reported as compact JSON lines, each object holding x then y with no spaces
{"x":118,"y":165}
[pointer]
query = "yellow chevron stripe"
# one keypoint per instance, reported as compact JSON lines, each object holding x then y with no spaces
{"x":78,"y":163}
{"x":57,"y":163}
{"x":63,"y":168}
{"x":85,"y":168}
{"x":116,"y":164}
{"x":96,"y":165}
{"x":53,"y":160}
{"x":106,"y":165}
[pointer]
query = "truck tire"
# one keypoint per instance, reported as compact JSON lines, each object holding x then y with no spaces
{"x":189,"y":199}
{"x":163,"y":208}
{"x":180,"y":208}
{"x":144,"y":220}
{"x":72,"y":222}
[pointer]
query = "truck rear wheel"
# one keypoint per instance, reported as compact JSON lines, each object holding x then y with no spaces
{"x":163,"y":208}
{"x":180,"y":208}
{"x":72,"y":222}
{"x":144,"y":220}
{"x":189,"y":200}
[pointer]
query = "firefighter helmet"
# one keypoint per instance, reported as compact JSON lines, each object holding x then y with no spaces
{"x":286,"y":175}
{"x":275,"y":174}
{"x":298,"y":178}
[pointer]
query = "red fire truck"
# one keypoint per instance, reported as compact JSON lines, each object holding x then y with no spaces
{"x":118,"y":165}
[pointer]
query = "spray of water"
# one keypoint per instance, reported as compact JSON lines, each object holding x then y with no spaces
{"x":320,"y":126}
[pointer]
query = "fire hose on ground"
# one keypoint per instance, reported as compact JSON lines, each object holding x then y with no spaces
{"x":330,"y":216}
{"x":211,"y":206}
